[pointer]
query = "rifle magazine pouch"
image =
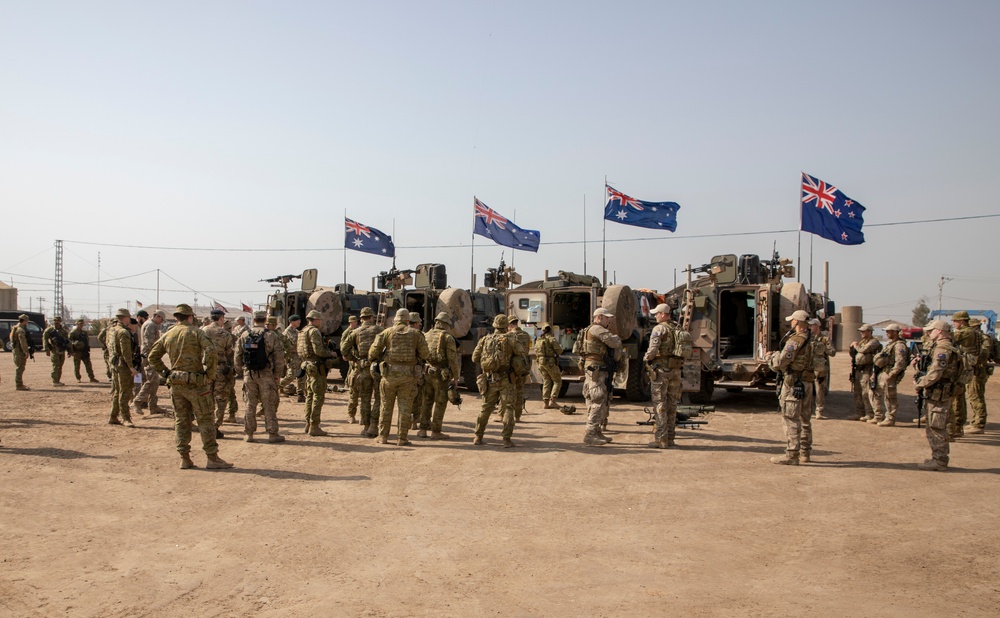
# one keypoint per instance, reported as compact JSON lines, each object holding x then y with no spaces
{"x":937,"y":420}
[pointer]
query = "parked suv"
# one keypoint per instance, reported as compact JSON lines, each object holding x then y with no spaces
{"x":36,"y":325}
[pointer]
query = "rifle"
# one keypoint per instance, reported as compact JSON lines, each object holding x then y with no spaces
{"x":854,"y":366}
{"x":923,"y":362}
{"x":876,"y":371}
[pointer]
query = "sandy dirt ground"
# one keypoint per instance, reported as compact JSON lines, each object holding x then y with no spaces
{"x":97,"y":520}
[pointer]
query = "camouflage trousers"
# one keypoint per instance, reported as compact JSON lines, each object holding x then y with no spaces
{"x":595,"y":393}
{"x":418,"y":398}
{"x":977,"y":399}
{"x":193,"y":403}
{"x":796,"y":414}
{"x":938,"y":415}
{"x":884,"y":399}
{"x":501,"y":391}
{"x":121,"y":392}
{"x":233,"y":405}
{"x":551,"y":378}
{"x":58,"y":358}
{"x":518,"y":385}
{"x":665,"y":386}
{"x":434,"y":401}
{"x":150,"y":385}
{"x":107,"y":363}
{"x":862,"y":392}
{"x":399,"y":384}
{"x":220,"y":397}
{"x":79,"y":358}
{"x":261,"y":388}
{"x":20,"y":361}
{"x":959,"y":413}
{"x":289,"y":383}
{"x":820,"y":399}
{"x":315,"y":393}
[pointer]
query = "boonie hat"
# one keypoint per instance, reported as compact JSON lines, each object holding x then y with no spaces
{"x":799,"y":315}
{"x":960,"y":315}
{"x":314,"y":315}
{"x":513,"y":319}
{"x":415,"y":318}
{"x":366,"y":312}
{"x":272,"y":319}
{"x":79,"y":320}
{"x":182,"y":309}
{"x":602,"y":311}
{"x":402,"y":316}
{"x":500,"y":321}
{"x":124,"y":313}
{"x":259,"y":316}
{"x":443,"y":317}
{"x":57,"y":318}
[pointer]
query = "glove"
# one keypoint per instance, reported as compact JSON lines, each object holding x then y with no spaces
{"x":165,"y":374}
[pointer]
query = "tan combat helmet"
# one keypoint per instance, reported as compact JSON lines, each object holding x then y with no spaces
{"x":500,"y":321}
{"x":366,"y":312}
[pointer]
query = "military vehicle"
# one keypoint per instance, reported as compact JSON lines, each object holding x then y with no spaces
{"x":735,"y":312}
{"x":567,"y":302}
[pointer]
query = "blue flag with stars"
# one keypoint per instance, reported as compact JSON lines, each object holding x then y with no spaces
{"x":368,"y":239}
{"x":654,"y":215}
{"x":499,"y":229}
{"x":827,"y":212}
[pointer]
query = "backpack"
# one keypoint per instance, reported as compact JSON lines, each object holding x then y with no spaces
{"x":966,"y":364}
{"x":496,"y":351}
{"x":683,"y":344}
{"x":255,"y":352}
{"x":994,"y":349}
{"x":520,"y":365}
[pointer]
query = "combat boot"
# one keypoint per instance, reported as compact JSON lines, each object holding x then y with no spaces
{"x":58,"y":384}
{"x":507,"y":443}
{"x":22,"y":387}
{"x":231,"y":419}
{"x":372,"y":430}
{"x":314,"y":430}
{"x":671,"y":443}
{"x":186,"y":463}
{"x":549,"y":405}
{"x":657,"y":444}
{"x":788,"y":459}
{"x":274,"y":438}
{"x":137,"y":409}
{"x":301,"y":398}
{"x":422,"y":433}
{"x":352,"y":419}
{"x":887,"y":423}
{"x":477,"y":441}
{"x":600,"y":434}
{"x":114,"y":421}
{"x":94,"y":380}
{"x":974,"y":429}
{"x":402,"y":441}
{"x":437,"y":435}
{"x":804,"y":457}
{"x":128,"y":422}
{"x":933,"y":465}
{"x":592,"y":439}
{"x":248,"y":437}
{"x":382,"y":440}
{"x":217,"y":463}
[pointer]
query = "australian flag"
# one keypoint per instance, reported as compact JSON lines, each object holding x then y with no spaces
{"x":367,"y":239}
{"x":829,"y":213}
{"x":654,"y":215}
{"x":501,"y":231}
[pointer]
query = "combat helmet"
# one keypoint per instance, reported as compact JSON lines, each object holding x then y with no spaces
{"x":500,"y":321}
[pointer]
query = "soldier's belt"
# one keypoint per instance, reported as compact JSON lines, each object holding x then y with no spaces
{"x":187,"y":377}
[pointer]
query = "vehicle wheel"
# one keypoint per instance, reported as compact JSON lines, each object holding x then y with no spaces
{"x":704,"y":396}
{"x":637,"y":388}
{"x":470,"y":371}
{"x":8,"y":346}
{"x":564,"y":388}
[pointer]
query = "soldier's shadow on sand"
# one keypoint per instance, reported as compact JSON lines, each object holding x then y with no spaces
{"x":285,"y":475}
{"x":906,"y":467}
{"x":53,"y":453}
{"x":28,"y":422}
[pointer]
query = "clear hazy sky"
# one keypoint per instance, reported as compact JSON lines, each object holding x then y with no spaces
{"x":239,"y":125}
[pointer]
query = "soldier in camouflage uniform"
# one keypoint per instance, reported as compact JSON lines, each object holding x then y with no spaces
{"x":314,"y":354}
{"x":240,"y":327}
{"x":416,"y":324}
{"x":891,"y":364}
{"x":940,"y":384}
{"x":102,"y":337}
{"x":664,"y":368}
{"x":795,"y":394}
{"x":442,"y":369}
{"x":192,"y":366}
{"x":261,"y":386}
{"x":547,"y":351}
{"x":822,"y":351}
{"x":863,"y":352}
{"x":518,"y":382}
{"x":121,"y":354}
{"x":496,"y":351}
{"x":233,"y":405}
{"x":22,"y":349}
{"x":970,"y":340}
{"x":593,"y":345}
{"x":287,"y":348}
{"x":148,"y":335}
{"x":223,"y":342}
{"x":79,"y":345}
{"x":291,"y":384}
{"x":983,"y":372}
{"x":355,"y":346}
{"x":402,"y":348}
{"x":55,"y":341}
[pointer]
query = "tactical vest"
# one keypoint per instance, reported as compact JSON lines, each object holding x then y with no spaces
{"x":437,"y":355}
{"x":802,"y":364}
{"x":592,"y":348}
{"x":666,"y":348}
{"x":545,"y":348}
{"x":401,"y":345}
{"x":304,"y":346}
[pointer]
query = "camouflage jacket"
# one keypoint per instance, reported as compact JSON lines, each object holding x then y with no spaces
{"x":119,"y":343}
{"x":223,"y":341}
{"x":443,"y":350}
{"x":275,"y":344}
{"x":400,"y":345}
{"x":55,"y":339}
{"x":148,"y":335}
{"x":310,"y":346}
{"x":79,"y":341}
{"x":547,"y":349}
{"x":19,"y":340}
{"x":822,"y":351}
{"x":188,"y":348}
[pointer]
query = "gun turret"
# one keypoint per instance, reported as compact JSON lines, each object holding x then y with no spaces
{"x":393,"y":279}
{"x":502,"y":277}
{"x":281,"y":281}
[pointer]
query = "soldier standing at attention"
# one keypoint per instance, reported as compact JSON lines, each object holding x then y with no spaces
{"x":664,"y":367}
{"x":494,"y":354}
{"x":223,"y":342}
{"x":260,"y":357}
{"x":594,"y":344}
{"x":822,"y":351}
{"x":442,"y":369}
{"x":547,"y":351}
{"x":291,"y":384}
{"x":891,"y":362}
{"x":355,"y":346}
{"x":192,"y":366}
{"x":79,"y":345}
{"x":314,"y":354}
{"x":795,"y":394}
{"x":55,"y":340}
{"x":524,"y":339}
{"x":148,"y":335}
{"x":971,"y":341}
{"x":121,"y":353}
{"x":983,"y":372}
{"x":22,"y":349}
{"x":940,"y":384}
{"x":401,"y":347}
{"x":863,"y":352}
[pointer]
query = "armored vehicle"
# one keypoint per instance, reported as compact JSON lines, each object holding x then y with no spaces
{"x":567,"y":302}
{"x":735,"y":312}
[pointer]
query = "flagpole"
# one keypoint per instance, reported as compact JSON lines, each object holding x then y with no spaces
{"x":585,"y":233}
{"x":811,"y":262}
{"x":798,"y":269}
{"x":472,"y":259}
{"x":604,"y":242}
{"x":345,"y":252}
{"x":514,"y":221}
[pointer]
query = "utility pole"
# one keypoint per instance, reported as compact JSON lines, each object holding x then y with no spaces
{"x":57,"y":305}
{"x":943,"y":281}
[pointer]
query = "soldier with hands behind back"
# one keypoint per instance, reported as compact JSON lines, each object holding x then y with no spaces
{"x":794,"y":364}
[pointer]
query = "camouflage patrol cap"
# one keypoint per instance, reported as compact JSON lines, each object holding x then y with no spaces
{"x":124,"y":313}
{"x":940,"y":325}
{"x":161,"y":313}
{"x":415,"y":318}
{"x":975,"y":322}
{"x":353,"y":318}
{"x":500,"y":321}
{"x":402,"y":316}
{"x":22,"y":317}
{"x":892,"y":327}
{"x":814,"y":322}
{"x":513,"y":319}
{"x":142,"y":313}
{"x":79,"y":320}
{"x":183,"y":309}
{"x":959,"y":315}
{"x":864,"y":327}
{"x":443,"y":317}
{"x":272,"y":320}
{"x":314,"y":315}
{"x":366,"y":312}
{"x":294,"y":317}
{"x":259,"y":316}
{"x":799,"y":315}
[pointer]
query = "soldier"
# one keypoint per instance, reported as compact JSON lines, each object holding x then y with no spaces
{"x":795,"y":391}
{"x":863,"y":353}
{"x":287,"y":348}
{"x":121,"y":355}
{"x":596,"y":345}
{"x":240,"y":328}
{"x":547,"y":351}
{"x":261,"y":360}
{"x":192,"y":366}
{"x":314,"y":354}
{"x":291,"y":384}
{"x":402,"y":348}
{"x":442,"y":369}
{"x":79,"y":345}
{"x":352,"y":323}
{"x":983,"y":372}
{"x":355,"y":346}
{"x":664,"y":367}
{"x":970,"y":340}
{"x":23,"y":349}
{"x":494,"y":353}
{"x":416,"y":324}
{"x":148,"y":335}
{"x":890,"y":364}
{"x":102,"y":337}
{"x":940,"y":384}
{"x":524,"y":339}
{"x":223,"y":341}
{"x":55,"y":341}
{"x":822,"y":351}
